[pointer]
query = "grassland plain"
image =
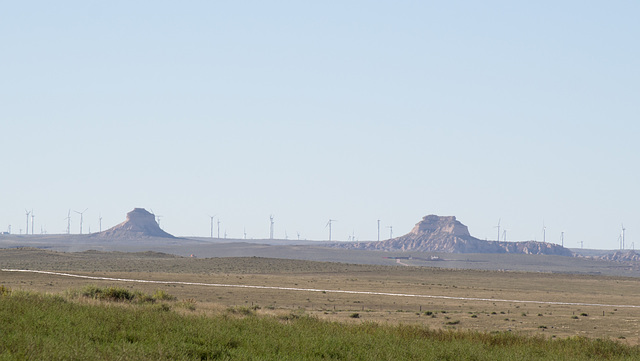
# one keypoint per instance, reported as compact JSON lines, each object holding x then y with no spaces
{"x":546,"y":320}
{"x":113,"y":323}
{"x":313,"y":251}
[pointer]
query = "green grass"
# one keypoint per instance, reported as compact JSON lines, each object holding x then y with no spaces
{"x":53,"y":327}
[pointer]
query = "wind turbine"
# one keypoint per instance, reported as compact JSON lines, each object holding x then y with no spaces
{"x":544,"y":233}
{"x":218,"y":228}
{"x":33,"y":216}
{"x":212,"y":224}
{"x":156,"y":217}
{"x":329,"y":225}
{"x":504,"y":234}
{"x":68,"y":222}
{"x":81,"y":213}
{"x":562,"y":238}
{"x":390,"y":231}
{"x":271,"y":226}
{"x":620,"y":241}
{"x":623,"y":229}
{"x":100,"y":221}
{"x":27,"y":229}
{"x":498,"y":227}
{"x":378,"y":230}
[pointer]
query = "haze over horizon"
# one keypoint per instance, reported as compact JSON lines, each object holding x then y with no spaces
{"x":354,"y":111}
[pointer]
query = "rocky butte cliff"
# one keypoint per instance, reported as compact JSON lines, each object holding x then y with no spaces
{"x":448,"y":235}
{"x":139,"y":224}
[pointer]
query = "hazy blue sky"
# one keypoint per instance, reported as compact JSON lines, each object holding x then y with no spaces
{"x":350,"y":110}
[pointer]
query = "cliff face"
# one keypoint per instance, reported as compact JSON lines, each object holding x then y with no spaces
{"x":533,"y":247}
{"x":139,"y":224}
{"x":448,"y":235}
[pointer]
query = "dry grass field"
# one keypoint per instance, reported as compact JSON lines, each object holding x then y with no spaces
{"x":529,"y":318}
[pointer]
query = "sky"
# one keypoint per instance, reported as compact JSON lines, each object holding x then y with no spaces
{"x":523,"y":113}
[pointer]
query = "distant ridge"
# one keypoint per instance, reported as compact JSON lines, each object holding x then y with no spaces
{"x":447,"y":235}
{"x":621,"y":256}
{"x":139,"y":224}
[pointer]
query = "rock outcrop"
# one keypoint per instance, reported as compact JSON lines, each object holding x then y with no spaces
{"x":621,"y":256}
{"x":139,"y":224}
{"x":448,"y":235}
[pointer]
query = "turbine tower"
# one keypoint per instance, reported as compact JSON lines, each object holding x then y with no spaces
{"x":156,"y":217}
{"x":378,"y":230}
{"x":33,"y":216}
{"x":68,"y":222}
{"x":562,"y":238}
{"x":81,"y":213}
{"x":218,"y":228}
{"x":623,"y":229}
{"x":100,"y":221}
{"x":329,"y":225}
{"x":620,"y":241}
{"x":271,"y":227}
{"x":27,"y":229}
{"x":390,"y":231}
{"x":212,"y":224}
{"x":498,"y":227}
{"x":544,"y":233}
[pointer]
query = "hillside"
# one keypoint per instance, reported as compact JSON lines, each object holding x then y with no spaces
{"x":448,"y":235}
{"x":139,"y":224}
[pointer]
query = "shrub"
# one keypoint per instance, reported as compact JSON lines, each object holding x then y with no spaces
{"x":584,"y":314}
{"x":91,"y":291}
{"x":161,"y":295}
{"x":163,"y":307}
{"x":4,"y":291}
{"x":244,"y":311}
{"x":117,"y":294}
{"x":189,"y":304}
{"x":143,"y":297}
{"x":110,"y":293}
{"x":355,"y":315}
